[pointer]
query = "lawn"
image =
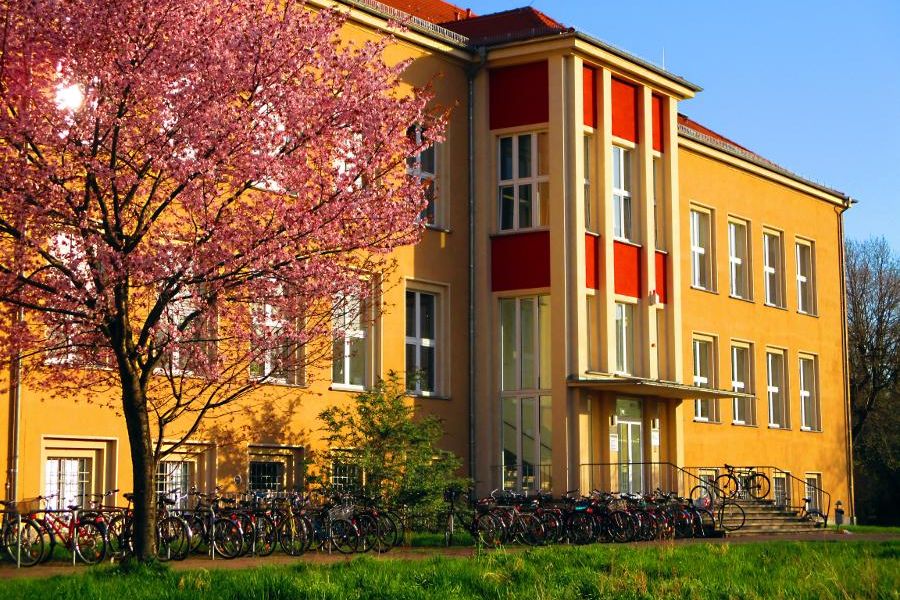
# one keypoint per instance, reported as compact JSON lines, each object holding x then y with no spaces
{"x":761,"y":570}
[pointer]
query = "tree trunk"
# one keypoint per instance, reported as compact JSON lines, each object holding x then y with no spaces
{"x":143,"y":466}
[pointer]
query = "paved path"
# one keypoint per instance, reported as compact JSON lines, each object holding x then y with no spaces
{"x":8,"y":571}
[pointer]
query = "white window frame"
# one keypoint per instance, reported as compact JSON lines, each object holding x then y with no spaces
{"x":175,"y":473}
{"x":537,"y":367}
{"x":625,"y":332}
{"x":701,"y":249}
{"x":809,"y":391}
{"x":705,"y":409}
{"x":77,"y":485}
{"x":352,"y":324}
{"x":268,"y":360}
{"x":743,"y":383}
{"x":623,"y":202}
{"x":659,"y":206}
{"x":777,"y":387}
{"x":806,"y":283}
{"x":419,"y":342}
{"x":414,"y":168}
{"x":739,"y":259}
{"x":589,"y":211}
{"x":517,"y":182}
{"x":773,"y":274}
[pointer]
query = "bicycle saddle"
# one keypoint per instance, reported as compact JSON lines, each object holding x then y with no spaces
{"x":128,"y":496}
{"x":167,"y":501}
{"x":73,"y":507}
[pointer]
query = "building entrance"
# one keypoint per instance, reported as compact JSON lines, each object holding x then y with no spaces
{"x":631,"y":450}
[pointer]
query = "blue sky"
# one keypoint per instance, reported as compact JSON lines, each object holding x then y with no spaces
{"x":813,"y":86}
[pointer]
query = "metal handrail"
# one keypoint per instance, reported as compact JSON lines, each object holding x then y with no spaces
{"x":802,"y":484}
{"x":696,"y":479}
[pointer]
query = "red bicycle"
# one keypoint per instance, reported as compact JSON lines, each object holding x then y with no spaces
{"x":84,"y":537}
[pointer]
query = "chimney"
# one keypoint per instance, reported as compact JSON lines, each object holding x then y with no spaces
{"x":468,"y":13}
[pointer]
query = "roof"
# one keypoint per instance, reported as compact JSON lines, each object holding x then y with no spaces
{"x":435,"y":11}
{"x":518,"y":23}
{"x":689,"y":128}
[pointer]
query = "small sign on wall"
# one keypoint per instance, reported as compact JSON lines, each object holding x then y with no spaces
{"x":614,"y":442}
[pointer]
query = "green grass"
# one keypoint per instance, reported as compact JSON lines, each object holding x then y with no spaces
{"x":871,"y":529}
{"x":765,"y":570}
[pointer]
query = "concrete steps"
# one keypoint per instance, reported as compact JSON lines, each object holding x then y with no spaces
{"x":764,"y":518}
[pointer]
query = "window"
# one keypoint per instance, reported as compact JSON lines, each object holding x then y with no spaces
{"x":527,"y":442}
{"x":701,"y":250}
{"x":67,"y":481}
{"x":778,"y":414}
{"x":593,"y":333}
{"x":271,"y":362}
{"x":738,"y":259}
{"x":172,"y":476}
{"x":781,"y":490}
{"x":705,"y":409}
{"x":421,"y":342}
{"x":589,"y":217}
{"x":423,"y":167}
{"x":524,"y":189}
{"x":350,"y":344}
{"x":741,"y":381}
{"x":526,"y":423}
{"x":345,"y":476}
{"x":806,"y":288}
{"x":266,"y":476}
{"x":624,"y":337}
{"x":187,"y":350}
{"x":525,"y":343}
{"x":659,"y":212}
{"x":810,"y":417}
{"x":622,"y":203}
{"x":814,"y":490}
{"x":772,"y":268}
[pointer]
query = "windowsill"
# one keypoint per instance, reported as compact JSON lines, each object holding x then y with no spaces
{"x":741,"y":298}
{"x":427,"y":396}
{"x":779,"y":427}
{"x":502,"y":232}
{"x":784,"y":308}
{"x":810,"y":430}
{"x":742,"y":424}
{"x":703,"y":289}
{"x":342,"y":387}
{"x":705,"y":420}
{"x":808,"y":314}
{"x":438,"y":228}
{"x":627,"y":242}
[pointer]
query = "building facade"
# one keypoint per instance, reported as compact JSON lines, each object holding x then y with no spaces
{"x":607,"y":293}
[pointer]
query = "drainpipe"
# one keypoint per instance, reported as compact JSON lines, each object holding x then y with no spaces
{"x":471,"y":73}
{"x":845,"y":345}
{"x":15,"y":414}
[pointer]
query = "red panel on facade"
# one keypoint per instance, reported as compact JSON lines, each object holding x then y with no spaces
{"x":661,"y":277}
{"x":627,"y":260}
{"x":657,"y":110}
{"x":590,"y":97}
{"x":520,"y":261}
{"x":592,"y":261}
{"x":519,"y":95}
{"x":624,"y":110}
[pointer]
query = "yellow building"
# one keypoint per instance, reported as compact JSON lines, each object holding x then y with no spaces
{"x":608,"y":294}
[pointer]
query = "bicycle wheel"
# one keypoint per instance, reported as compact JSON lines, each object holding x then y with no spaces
{"x":488,"y":530}
{"x":580,"y":528}
{"x":227,"y":538}
{"x":198,"y":523}
{"x":368,"y":532}
{"x":705,"y":521}
{"x":89,"y":542}
{"x":731,"y":516}
{"x":622,"y":526}
{"x":758,"y":486}
{"x":49,"y":538}
{"x":531,"y":530}
{"x":24,"y":542}
{"x":728,"y":484}
{"x":345,"y":537}
{"x":118,"y":536}
{"x":266,"y":536}
{"x":173,"y":539}
{"x":293,"y":535}
{"x":817,"y":518}
{"x":248,"y":529}
{"x":387,"y":534}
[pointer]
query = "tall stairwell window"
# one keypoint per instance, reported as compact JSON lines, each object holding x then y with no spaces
{"x":523,"y":181}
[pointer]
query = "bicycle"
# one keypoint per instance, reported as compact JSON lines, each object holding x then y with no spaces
{"x":20,"y":536}
{"x":737,"y":481}
{"x":813,"y":515}
{"x":85,"y":538}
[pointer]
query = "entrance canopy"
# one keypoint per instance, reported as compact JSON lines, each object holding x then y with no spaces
{"x":638,"y":386}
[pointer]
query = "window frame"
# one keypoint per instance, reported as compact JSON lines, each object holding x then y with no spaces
{"x":809,"y":389}
{"x":540,"y":206}
{"x":658,"y":190}
{"x":773,"y":274}
{"x":419,"y":342}
{"x":268,"y":359}
{"x":623,"y":197}
{"x":707,"y":382}
{"x":809,"y":280}
{"x":736,"y":261}
{"x":625,"y":362}
{"x":363,"y":332}
{"x":702,"y":255}
{"x":782,"y":389}
{"x":745,"y":385}
{"x":414,"y":168}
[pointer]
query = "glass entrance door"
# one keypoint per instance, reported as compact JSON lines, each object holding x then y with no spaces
{"x":631,"y":449}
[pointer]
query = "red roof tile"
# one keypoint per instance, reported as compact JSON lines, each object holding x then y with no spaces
{"x":516,"y":23}
{"x":686,"y":121}
{"x":435,"y":11}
